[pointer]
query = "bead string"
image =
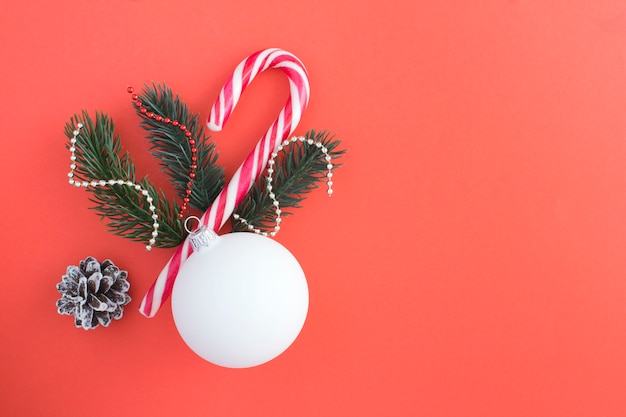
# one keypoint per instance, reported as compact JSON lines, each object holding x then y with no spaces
{"x":269,"y":179}
{"x":104,"y":183}
{"x":192,"y":145}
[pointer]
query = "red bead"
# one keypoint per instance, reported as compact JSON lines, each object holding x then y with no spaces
{"x":194,"y":166}
{"x":130,"y":89}
{"x":189,"y":184}
{"x":191,"y":141}
{"x":175,"y":123}
{"x":167,"y":120}
{"x":193,"y":158}
{"x":143,"y":110}
{"x":183,"y":127}
{"x":186,"y":200}
{"x":151,"y":115}
{"x":188,"y":134}
{"x":187,"y":191}
{"x":193,"y":149}
{"x":158,"y":118}
{"x":134,"y":96}
{"x":138,"y":103}
{"x":192,"y":175}
{"x":181,"y":215}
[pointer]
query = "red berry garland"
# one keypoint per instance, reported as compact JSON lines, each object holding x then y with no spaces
{"x":192,"y":145}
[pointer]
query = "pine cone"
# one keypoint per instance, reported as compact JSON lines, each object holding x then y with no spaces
{"x":93,"y":293}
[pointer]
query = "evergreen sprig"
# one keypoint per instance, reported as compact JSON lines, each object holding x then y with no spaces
{"x":297,"y":171}
{"x":171,"y":148}
{"x":99,"y":157}
{"x":296,"y":174}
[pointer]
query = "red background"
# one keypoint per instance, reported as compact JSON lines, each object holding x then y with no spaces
{"x":470,"y":263}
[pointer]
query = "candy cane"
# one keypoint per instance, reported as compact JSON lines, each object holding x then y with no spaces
{"x":254,"y":164}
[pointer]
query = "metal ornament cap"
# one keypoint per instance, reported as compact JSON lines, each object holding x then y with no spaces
{"x":200,"y":237}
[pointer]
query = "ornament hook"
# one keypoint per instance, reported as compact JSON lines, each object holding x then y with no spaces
{"x":187,"y":221}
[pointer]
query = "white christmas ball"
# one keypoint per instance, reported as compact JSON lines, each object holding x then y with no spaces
{"x":241,"y":301}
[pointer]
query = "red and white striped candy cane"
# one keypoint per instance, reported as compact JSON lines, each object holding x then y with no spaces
{"x":254,"y":164}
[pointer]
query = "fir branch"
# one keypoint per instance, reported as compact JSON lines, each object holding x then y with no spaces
{"x":296,"y":174}
{"x":171,"y":148}
{"x":99,"y":157}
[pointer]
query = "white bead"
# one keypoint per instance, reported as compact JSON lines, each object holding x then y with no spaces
{"x":77,"y":184}
{"x":327,"y":158}
{"x":271,"y":162}
{"x":148,"y":247}
{"x":278,"y":211}
{"x":329,"y":175}
{"x":152,"y":207}
{"x":72,"y":149}
{"x":72,"y":158}
{"x":144,"y":192}
{"x":80,"y":125}
{"x":70,"y":174}
{"x":120,"y":182}
{"x":329,"y":183}
{"x":286,"y":143}
{"x":137,"y":187}
{"x":102,"y":182}
{"x":71,"y":181}
{"x":280,"y":147}
{"x":269,"y":187}
{"x":318,"y":144}
{"x":294,"y":139}
{"x":155,"y":216}
{"x":236,"y":216}
{"x":152,"y":241}
{"x":278,"y":220}
{"x":112,"y":182}
{"x":129,"y":183}
{"x":155,"y":225}
{"x":324,"y":150}
{"x":276,"y":203}
{"x":94,"y":183}
{"x":272,"y":195}
{"x":76,"y":132}
{"x":274,"y":155}
{"x":85,"y":184}
{"x":329,"y":166}
{"x":270,"y":170}
{"x":330,"y":192}
{"x":73,"y":141}
{"x":155,"y":233}
{"x":310,"y":141}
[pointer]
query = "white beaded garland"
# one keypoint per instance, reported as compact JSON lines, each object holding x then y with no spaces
{"x":104,"y":183}
{"x":269,"y":179}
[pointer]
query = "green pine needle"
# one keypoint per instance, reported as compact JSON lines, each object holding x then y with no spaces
{"x":99,"y":157}
{"x":296,"y":174}
{"x":170,"y":146}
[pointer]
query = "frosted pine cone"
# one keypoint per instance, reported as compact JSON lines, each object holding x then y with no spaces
{"x":93,"y":293}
